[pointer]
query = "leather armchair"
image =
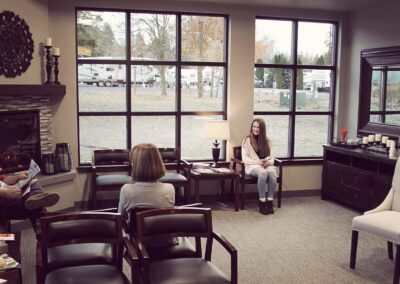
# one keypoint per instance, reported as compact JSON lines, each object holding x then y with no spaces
{"x":82,"y":247}
{"x":164,"y":223}
{"x":181,"y":177}
{"x":108,"y":167}
{"x":183,"y":249}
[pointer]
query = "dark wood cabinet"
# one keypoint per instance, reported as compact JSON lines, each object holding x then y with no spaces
{"x":355,"y":177}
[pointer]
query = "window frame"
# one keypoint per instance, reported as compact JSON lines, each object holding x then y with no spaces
{"x":293,"y":66}
{"x":177,"y":63}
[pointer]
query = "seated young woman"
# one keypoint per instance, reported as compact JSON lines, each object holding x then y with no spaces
{"x":259,"y":162}
{"x":146,"y":190}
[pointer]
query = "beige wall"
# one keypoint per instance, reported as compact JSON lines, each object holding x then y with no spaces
{"x":371,"y":27}
{"x":35,"y":13}
{"x":58,"y":21}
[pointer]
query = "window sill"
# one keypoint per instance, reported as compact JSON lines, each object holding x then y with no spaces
{"x":302,"y":162}
{"x":46,"y":180}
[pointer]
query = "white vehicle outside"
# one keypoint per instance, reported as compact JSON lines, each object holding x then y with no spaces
{"x":101,"y":74}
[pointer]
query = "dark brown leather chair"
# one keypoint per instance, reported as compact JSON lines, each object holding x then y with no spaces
{"x":184,"y":248}
{"x":157,"y":224}
{"x":172,"y":158}
{"x":238,"y":165}
{"x":104,"y":162}
{"x":82,"y":247}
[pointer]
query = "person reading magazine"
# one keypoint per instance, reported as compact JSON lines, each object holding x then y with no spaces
{"x":27,"y":202}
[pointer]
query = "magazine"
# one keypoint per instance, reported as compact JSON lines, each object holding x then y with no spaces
{"x":7,"y":237}
{"x":32,"y":173}
{"x":7,"y":262}
{"x":25,"y":183}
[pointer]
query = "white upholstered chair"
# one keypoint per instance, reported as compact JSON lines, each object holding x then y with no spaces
{"x":384,"y":222}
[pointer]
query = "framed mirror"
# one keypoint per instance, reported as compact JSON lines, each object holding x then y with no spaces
{"x":379,"y":101}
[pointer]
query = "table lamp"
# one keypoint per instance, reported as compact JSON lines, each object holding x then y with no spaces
{"x":218,"y":130}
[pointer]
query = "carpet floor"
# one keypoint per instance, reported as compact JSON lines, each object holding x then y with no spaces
{"x":307,"y":240}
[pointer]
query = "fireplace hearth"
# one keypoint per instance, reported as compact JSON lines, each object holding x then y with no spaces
{"x":20,"y":140}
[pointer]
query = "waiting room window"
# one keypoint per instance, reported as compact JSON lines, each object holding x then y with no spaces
{"x":149,"y":77}
{"x":294,"y":83}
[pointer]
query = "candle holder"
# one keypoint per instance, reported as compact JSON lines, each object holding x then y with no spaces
{"x":56,"y":70}
{"x":48,"y":65}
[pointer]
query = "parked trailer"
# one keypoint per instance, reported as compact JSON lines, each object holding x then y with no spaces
{"x":101,"y":74}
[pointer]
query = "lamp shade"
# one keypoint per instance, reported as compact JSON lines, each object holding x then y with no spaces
{"x":217,"y":129}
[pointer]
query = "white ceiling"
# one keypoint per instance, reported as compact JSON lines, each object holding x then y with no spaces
{"x":331,"y":5}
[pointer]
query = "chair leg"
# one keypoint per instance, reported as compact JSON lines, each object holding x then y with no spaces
{"x":242,"y":196}
{"x":390,"y":249}
{"x":186,"y":193}
{"x":94,"y":199}
{"x":353,"y":254}
{"x":280,"y":192}
{"x":396,"y":275}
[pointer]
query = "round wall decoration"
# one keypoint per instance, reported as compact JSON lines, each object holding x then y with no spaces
{"x":16,"y":45}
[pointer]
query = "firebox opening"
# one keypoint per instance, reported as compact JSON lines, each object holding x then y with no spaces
{"x":20,"y":140}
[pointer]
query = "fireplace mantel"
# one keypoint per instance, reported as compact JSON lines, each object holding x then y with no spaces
{"x":32,"y":90}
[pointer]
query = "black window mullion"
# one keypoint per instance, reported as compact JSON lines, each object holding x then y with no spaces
{"x":383,"y":96}
{"x":128,"y":81}
{"x":178,"y":90}
{"x":292,"y":116}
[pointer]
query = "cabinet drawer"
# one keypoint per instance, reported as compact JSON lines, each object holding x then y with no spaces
{"x":360,"y":180}
{"x":358,"y":198}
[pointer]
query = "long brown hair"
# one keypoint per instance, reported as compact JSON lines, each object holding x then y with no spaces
{"x":147,"y":164}
{"x":260,"y":143}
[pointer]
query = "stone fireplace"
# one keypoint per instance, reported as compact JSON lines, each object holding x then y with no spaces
{"x":19,"y":102}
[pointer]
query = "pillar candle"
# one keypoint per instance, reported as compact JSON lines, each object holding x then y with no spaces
{"x":388,"y":143}
{"x":371,"y":138}
{"x":384,"y":139}
{"x":365,"y":140}
{"x":378,"y":137}
{"x":56,"y":51}
{"x":48,"y":41}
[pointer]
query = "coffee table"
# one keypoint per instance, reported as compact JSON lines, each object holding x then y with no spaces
{"x":14,"y":275}
{"x":222,"y":177}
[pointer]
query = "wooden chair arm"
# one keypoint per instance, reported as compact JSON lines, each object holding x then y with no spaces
{"x":190,"y":205}
{"x":232,"y":251}
{"x":234,"y":160}
{"x":110,"y":168}
{"x":141,"y":248}
{"x":111,"y":210}
{"x":145,"y":260}
{"x":133,"y":260}
{"x":225,"y":243}
{"x":186,"y":163}
{"x":277,"y":161}
{"x":133,"y":255}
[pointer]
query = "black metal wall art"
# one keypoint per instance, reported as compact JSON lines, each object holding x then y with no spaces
{"x":16,"y":45}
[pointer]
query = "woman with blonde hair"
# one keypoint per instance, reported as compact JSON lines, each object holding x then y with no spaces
{"x":259,"y":162}
{"x":146,"y":190}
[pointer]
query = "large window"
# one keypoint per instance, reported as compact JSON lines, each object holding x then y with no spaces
{"x":294,"y":84}
{"x":149,"y":78}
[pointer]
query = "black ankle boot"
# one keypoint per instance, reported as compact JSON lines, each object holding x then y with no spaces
{"x":269,"y":207}
{"x":263,"y":207}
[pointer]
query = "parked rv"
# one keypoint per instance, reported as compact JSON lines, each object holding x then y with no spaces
{"x":101,"y":74}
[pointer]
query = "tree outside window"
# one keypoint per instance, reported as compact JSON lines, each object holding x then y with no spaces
{"x":294,"y":77}
{"x":153,"y":92}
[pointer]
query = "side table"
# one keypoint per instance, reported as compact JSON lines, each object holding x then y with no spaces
{"x":14,"y":275}
{"x":222,"y":177}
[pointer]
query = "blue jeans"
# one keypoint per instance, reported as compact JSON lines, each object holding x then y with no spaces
{"x":262,"y":178}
